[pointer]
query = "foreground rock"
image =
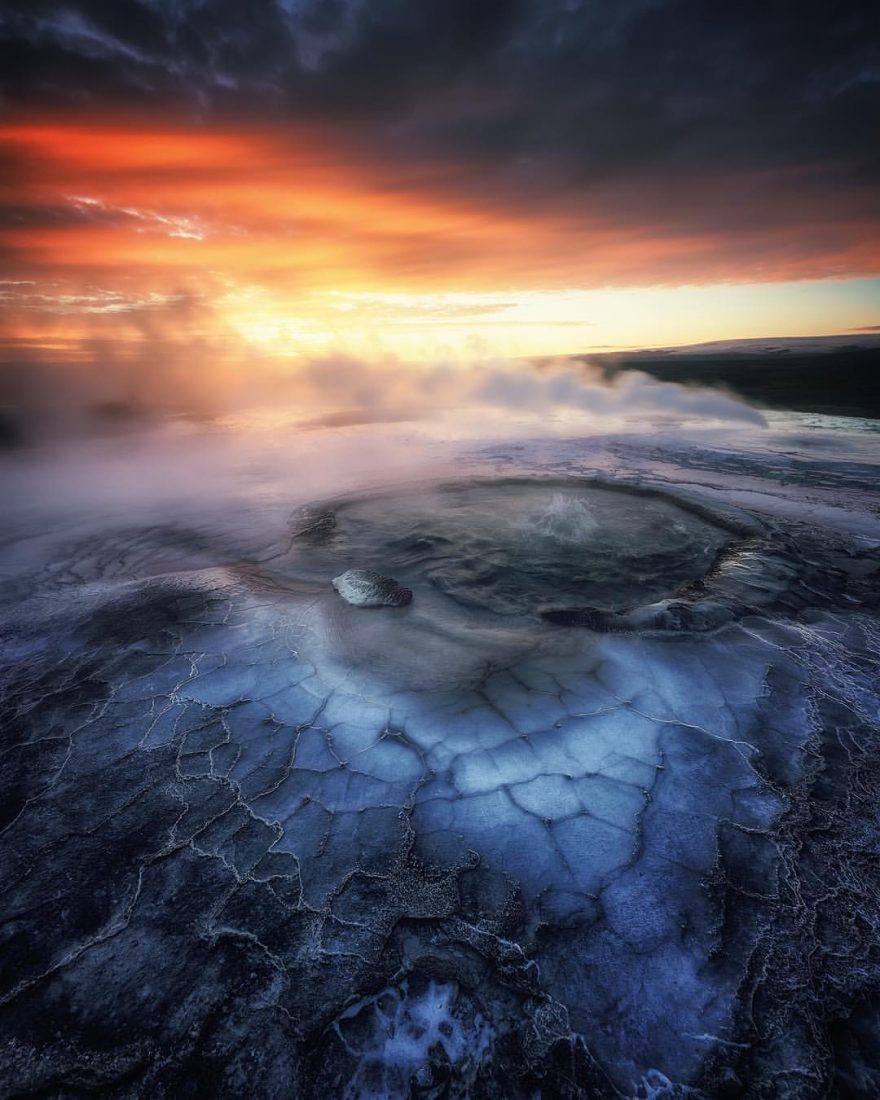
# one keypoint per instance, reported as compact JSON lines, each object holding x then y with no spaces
{"x":364,"y":588}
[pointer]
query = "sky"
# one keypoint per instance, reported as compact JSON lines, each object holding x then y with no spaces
{"x":218,"y":186}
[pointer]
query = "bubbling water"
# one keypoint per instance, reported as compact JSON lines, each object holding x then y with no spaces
{"x":510,"y":547}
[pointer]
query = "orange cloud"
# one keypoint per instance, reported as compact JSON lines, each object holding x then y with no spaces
{"x":276,"y":200}
{"x":272,"y":228}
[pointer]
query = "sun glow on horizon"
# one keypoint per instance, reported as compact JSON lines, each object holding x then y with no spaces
{"x":284,"y":243}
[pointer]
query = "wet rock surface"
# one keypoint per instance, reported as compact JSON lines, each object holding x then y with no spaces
{"x":254,"y":842}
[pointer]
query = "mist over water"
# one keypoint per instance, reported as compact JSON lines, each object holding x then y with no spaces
{"x":42,"y":402}
{"x":153,"y":452}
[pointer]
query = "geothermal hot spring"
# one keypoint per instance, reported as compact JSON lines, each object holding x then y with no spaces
{"x":593,"y":815}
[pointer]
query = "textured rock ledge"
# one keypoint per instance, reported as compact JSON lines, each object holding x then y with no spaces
{"x":364,"y":588}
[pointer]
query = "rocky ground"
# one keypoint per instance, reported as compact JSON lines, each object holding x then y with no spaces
{"x":257,"y":840}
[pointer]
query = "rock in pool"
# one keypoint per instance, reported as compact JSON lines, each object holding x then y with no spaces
{"x":364,"y":588}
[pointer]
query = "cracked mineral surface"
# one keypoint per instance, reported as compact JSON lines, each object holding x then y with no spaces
{"x":595,"y":815}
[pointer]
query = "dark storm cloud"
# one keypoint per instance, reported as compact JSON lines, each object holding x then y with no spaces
{"x":328,"y":53}
{"x":615,"y":81}
{"x":527,"y":100}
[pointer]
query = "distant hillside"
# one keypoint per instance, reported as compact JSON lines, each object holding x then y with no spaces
{"x":825,"y":375}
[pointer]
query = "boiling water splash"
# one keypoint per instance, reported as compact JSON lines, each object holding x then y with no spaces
{"x":565,"y":519}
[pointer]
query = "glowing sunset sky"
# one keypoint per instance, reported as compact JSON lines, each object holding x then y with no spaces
{"x":222,"y":181}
